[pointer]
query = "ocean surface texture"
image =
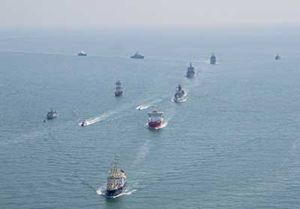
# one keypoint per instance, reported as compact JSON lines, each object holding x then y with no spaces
{"x":233,"y":144}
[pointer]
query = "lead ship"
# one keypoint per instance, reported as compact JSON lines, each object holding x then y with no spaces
{"x":137,"y":56}
{"x":119,"y":89}
{"x":180,"y":95}
{"x":116,"y":181}
{"x":190,"y":73}
{"x":213,"y":59}
{"x":156,"y":120}
{"x":52,"y":114}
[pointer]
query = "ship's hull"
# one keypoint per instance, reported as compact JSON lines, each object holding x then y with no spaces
{"x":190,"y":75}
{"x":116,"y":192}
{"x":180,"y":99}
{"x":157,"y":125}
{"x":137,"y":57}
{"x":118,"y":93}
{"x":51,"y":117}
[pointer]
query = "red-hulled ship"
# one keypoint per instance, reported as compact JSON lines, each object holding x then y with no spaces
{"x":156,"y":120}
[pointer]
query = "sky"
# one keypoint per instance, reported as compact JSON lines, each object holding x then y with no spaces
{"x":146,"y":13}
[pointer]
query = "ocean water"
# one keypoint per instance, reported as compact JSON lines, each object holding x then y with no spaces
{"x":234,"y":144}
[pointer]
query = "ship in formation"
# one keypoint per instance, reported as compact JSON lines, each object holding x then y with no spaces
{"x":213,"y":59}
{"x":156,"y":120}
{"x":190,"y":73}
{"x":52,"y":114}
{"x":137,"y":56}
{"x":180,"y":95}
{"x":116,"y":181}
{"x":82,"y":53}
{"x":119,"y":89}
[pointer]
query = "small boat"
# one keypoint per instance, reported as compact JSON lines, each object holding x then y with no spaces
{"x":190,"y":71}
{"x":277,"y":57}
{"x":137,"y":56}
{"x":52,"y":115}
{"x":119,"y":89}
{"x":156,"y":120}
{"x":83,"y":123}
{"x":82,"y":53}
{"x":213,"y":59}
{"x":180,"y":95}
{"x":116,"y":181}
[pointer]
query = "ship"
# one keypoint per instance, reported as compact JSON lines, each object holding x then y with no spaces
{"x":116,"y":181}
{"x":180,"y":95}
{"x":83,"y":123}
{"x":137,"y":56}
{"x":156,"y":120}
{"x":190,"y":71}
{"x":213,"y":59}
{"x":119,"y":89}
{"x":277,"y":57}
{"x":52,"y":114}
{"x":82,"y":53}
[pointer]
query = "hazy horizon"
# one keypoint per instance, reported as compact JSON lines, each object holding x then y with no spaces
{"x":141,"y":13}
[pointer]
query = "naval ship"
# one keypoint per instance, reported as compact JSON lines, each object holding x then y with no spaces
{"x":213,"y":59}
{"x":119,"y":89}
{"x":51,"y":115}
{"x":156,"y":120}
{"x":180,"y":95}
{"x":190,"y":71}
{"x":116,"y":181}
{"x":137,"y":56}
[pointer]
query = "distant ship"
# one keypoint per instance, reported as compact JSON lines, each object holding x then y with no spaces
{"x":137,"y":56}
{"x":156,"y":120}
{"x":119,"y":89}
{"x":180,"y":95}
{"x":116,"y":181}
{"x":213,"y":59}
{"x":82,"y":53}
{"x":190,"y":71}
{"x":277,"y":57}
{"x":52,"y":114}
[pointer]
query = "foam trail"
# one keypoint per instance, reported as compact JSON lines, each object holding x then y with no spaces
{"x":142,"y":153}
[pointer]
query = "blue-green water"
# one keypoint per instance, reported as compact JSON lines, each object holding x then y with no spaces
{"x":234,"y":143}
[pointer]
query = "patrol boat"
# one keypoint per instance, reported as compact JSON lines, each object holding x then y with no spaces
{"x":156,"y":120}
{"x":119,"y":89}
{"x":137,"y":56}
{"x":190,"y":71}
{"x":180,"y":95}
{"x":116,"y":181}
{"x":52,"y":114}
{"x":213,"y":59}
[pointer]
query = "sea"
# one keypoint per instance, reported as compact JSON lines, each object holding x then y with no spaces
{"x":235,"y":142}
